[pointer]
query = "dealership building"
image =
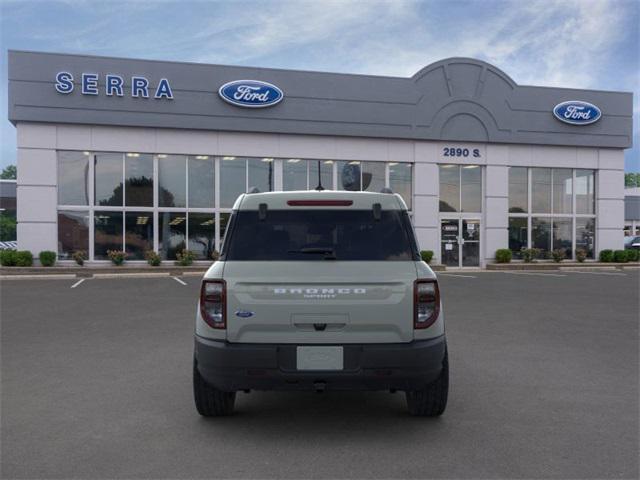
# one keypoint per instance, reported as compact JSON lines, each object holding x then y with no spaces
{"x":141,"y":155}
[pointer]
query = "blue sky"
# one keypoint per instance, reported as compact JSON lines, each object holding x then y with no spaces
{"x":569,"y":43}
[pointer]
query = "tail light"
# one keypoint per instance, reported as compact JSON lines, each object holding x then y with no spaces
{"x":426,"y":303}
{"x":213,"y":303}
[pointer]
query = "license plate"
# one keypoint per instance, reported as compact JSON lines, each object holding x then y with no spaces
{"x":320,"y":358}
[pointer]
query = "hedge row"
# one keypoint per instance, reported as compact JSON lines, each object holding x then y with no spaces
{"x":24,"y":258}
{"x":620,"y":256}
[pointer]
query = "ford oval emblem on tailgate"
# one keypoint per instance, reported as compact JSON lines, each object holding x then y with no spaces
{"x":244,"y":314}
{"x":250,"y":93}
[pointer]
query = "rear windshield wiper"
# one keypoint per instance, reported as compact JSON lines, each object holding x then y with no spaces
{"x":329,"y":253}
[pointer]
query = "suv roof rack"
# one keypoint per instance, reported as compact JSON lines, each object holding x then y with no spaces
{"x":386,"y":190}
{"x":253,"y":190}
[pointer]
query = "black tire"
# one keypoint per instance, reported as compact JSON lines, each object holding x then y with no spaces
{"x":211,"y":402}
{"x":432,"y":400}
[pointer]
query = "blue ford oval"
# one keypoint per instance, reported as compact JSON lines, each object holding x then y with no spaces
{"x":577,"y":112}
{"x":244,"y":314}
{"x":250,"y":93}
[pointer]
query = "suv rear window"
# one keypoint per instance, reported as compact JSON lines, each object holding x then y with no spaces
{"x":320,"y":235}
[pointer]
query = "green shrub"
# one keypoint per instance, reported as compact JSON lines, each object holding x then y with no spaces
{"x":581,"y":254}
{"x":47,"y":258}
{"x":558,"y":255}
{"x":185,"y":258}
{"x":503,"y":255}
{"x":426,"y":255}
{"x":24,"y":258}
{"x":620,"y":256}
{"x":8,"y":258}
{"x":530,"y":254}
{"x":117,"y":256}
{"x":633,"y":255}
{"x":79,"y":256}
{"x":606,"y":256}
{"x":153,"y":258}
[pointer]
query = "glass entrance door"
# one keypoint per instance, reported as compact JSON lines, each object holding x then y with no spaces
{"x":450,"y":247}
{"x":470,"y":243}
{"x":460,"y":242}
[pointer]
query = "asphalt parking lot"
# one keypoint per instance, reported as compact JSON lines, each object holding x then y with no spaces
{"x":96,"y":383}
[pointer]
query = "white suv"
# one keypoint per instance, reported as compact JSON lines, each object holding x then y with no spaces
{"x":320,"y":290}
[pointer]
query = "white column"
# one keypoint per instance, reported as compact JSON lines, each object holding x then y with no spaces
{"x":426,"y":191}
{"x":496,"y":210}
{"x":278,"y":181}
{"x":37,"y":188}
{"x":610,"y":200}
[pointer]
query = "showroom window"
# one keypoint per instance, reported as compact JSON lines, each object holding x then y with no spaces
{"x":108,"y":172}
{"x":172,"y":181}
{"x":460,"y":188}
{"x":138,"y":178}
{"x":202,"y":234}
{"x":73,"y":178}
{"x":374,"y":176}
{"x":138,"y":234}
{"x":361,"y":176}
{"x":239,"y":174}
{"x":108,"y":233}
{"x":551,"y":209}
{"x":73,"y":232}
{"x":139,"y":202}
{"x":167,"y":202}
{"x":300,"y":174}
{"x":201,"y":174}
{"x":401,"y":181}
{"x":172,"y":234}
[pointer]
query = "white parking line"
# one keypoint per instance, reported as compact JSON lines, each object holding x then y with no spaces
{"x":455,"y":275}
{"x":599,"y":273}
{"x":179,"y":281}
{"x":78,"y":283}
{"x":538,"y":274}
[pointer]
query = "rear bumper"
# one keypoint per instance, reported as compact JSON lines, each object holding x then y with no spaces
{"x":399,"y":366}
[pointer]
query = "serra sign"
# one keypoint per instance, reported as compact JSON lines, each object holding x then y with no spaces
{"x":113,"y":85}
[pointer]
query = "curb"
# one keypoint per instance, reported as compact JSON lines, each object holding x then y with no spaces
{"x":561,"y":266}
{"x":100,"y":272}
{"x":55,"y":276}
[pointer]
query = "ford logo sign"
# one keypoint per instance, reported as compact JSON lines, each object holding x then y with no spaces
{"x":244,"y":314}
{"x":577,"y":112}
{"x":250,"y":93}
